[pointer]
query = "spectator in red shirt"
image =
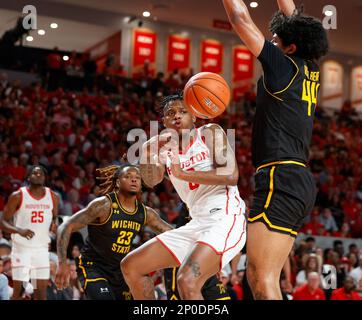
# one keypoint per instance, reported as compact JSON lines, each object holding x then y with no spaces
{"x":314,"y":227}
{"x":2,"y":203}
{"x":54,"y":59}
{"x":344,"y":232}
{"x":16,"y":171}
{"x":311,"y":290}
{"x":347,"y":292}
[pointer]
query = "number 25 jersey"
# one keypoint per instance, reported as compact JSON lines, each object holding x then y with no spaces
{"x":36,"y":215}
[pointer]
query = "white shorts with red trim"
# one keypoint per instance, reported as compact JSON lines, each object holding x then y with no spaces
{"x":225,"y":235}
{"x":30,"y":263}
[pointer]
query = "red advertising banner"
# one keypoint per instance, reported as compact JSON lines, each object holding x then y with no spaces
{"x":243,"y":71}
{"x":144,"y":52}
{"x":211,"y":56}
{"x":178,"y":53}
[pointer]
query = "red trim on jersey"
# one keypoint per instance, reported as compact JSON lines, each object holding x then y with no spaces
{"x":169,"y":250}
{"x":239,"y":238}
{"x":209,"y":245}
{"x":213,"y":249}
{"x":203,"y":139}
{"x":37,"y":199}
{"x":21,"y":200}
{"x":52,"y":196}
{"x":237,"y":200}
{"x":190,"y":144}
{"x":226,"y":240}
{"x":227,"y":200}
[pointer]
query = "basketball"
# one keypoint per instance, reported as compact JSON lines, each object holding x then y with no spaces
{"x":207,"y":95}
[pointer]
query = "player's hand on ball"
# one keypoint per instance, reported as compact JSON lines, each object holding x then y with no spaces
{"x":26,"y":233}
{"x":62,"y":276}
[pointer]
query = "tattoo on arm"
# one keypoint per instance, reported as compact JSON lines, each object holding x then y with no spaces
{"x":96,"y":209}
{"x":63,"y":233}
{"x":152,"y":172}
{"x":155,"y":222}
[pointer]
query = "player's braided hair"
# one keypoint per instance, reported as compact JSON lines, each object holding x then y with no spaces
{"x":109,"y":176}
{"x":306,"y":32}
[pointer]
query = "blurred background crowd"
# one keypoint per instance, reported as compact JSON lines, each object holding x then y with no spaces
{"x":74,"y":120}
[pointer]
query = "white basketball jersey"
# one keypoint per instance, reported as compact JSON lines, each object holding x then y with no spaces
{"x":35,"y":215}
{"x":204,"y":200}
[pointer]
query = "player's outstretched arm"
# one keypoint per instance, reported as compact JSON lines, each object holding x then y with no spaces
{"x":9,"y":211}
{"x":152,"y":171}
{"x":225,"y":172}
{"x":154,"y":221}
{"x":244,"y":26}
{"x":287,"y":7}
{"x":97,"y":209}
{"x":55,"y":212}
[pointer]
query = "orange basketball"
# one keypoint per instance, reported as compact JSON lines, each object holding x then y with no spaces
{"x":207,"y":95}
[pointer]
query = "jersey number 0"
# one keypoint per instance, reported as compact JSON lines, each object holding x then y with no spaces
{"x":193,"y":186}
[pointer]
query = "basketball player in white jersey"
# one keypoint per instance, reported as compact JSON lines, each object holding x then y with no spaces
{"x":207,"y":183}
{"x":28,"y":216}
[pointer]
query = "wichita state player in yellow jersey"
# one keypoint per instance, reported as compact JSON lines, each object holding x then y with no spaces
{"x":113,"y":221}
{"x":286,"y":100}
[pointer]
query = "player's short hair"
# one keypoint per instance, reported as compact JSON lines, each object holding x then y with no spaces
{"x":42,"y":168}
{"x":306,"y":32}
{"x":165,"y":102}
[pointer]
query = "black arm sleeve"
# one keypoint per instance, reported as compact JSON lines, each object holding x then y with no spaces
{"x":278,"y":69}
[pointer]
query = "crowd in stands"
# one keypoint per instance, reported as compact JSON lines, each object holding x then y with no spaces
{"x":72,"y":133}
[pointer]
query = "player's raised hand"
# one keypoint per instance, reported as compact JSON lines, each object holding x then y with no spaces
{"x":26,"y":233}
{"x":62,"y":276}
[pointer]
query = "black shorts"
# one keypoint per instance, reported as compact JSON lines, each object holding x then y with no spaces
{"x":284,"y":195}
{"x":101,"y":282}
{"x":213,"y":289}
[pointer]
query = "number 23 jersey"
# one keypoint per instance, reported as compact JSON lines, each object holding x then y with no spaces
{"x":110,"y":241}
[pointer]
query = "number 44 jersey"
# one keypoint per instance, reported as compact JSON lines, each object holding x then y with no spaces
{"x":35,"y":214}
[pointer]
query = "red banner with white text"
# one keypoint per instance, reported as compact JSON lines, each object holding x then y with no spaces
{"x":243,"y":71}
{"x":212,"y":52}
{"x":178,"y":53}
{"x":144,"y":53}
